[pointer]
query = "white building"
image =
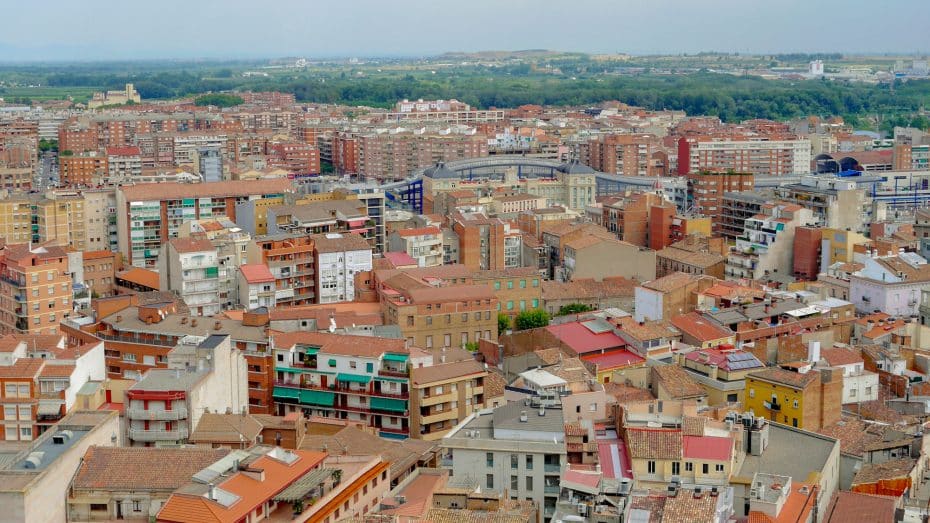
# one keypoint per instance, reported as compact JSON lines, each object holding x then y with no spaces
{"x":423,"y":245}
{"x":190,"y":267}
{"x":204,"y":374}
{"x":516,"y":448}
{"x":755,"y":155}
{"x":256,"y":286}
{"x":858,"y":384}
{"x":338,"y":258}
{"x":767,"y":242}
{"x":890,"y":284}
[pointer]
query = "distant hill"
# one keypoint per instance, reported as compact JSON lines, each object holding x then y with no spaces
{"x":505,"y":55}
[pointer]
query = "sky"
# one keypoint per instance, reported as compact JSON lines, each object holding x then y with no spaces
{"x":152,"y":29}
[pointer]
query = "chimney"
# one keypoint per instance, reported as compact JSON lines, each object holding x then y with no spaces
{"x":523,"y":416}
{"x":184,"y":320}
{"x":217,"y":325}
{"x":119,"y":318}
{"x":211,"y":495}
{"x":813,"y":351}
{"x":193,"y":322}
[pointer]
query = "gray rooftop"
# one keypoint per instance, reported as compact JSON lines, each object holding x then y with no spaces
{"x":507,"y":417}
{"x":213,"y":341}
{"x":791,"y":452}
{"x":169,"y":379}
{"x":49,"y":450}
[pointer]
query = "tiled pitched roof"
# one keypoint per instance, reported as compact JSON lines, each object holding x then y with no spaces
{"x":141,"y":468}
{"x":670,"y":282}
{"x":848,"y":507}
{"x":677,"y":382}
{"x":894,"y":469}
{"x":697,"y":326}
{"x":221,"y":428}
{"x":654,"y":444}
{"x":837,"y":356}
{"x":177,"y":191}
{"x":785,"y":377}
{"x":686,"y":507}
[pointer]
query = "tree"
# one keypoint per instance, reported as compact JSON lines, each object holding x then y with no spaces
{"x":574,"y":308}
{"x":218,"y":100}
{"x":503,"y":323}
{"x":532,"y":319}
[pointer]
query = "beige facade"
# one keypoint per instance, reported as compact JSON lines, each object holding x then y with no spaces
{"x":444,"y":394}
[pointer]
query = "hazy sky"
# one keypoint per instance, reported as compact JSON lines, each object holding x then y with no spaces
{"x":98,"y":29}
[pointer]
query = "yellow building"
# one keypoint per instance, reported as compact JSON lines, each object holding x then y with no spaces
{"x":15,"y":220}
{"x":55,"y":219}
{"x":810,"y":400}
{"x":840,"y":244}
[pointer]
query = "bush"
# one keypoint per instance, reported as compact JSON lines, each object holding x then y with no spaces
{"x":532,"y":319}
{"x":503,"y":323}
{"x":574,"y":308}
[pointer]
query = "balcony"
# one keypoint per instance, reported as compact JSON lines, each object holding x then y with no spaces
{"x":342,"y":390}
{"x":157,"y":435}
{"x":773,"y":406}
{"x":427,"y":401}
{"x":451,"y":414}
{"x":552,"y":468}
{"x":397,"y":373}
{"x":551,"y":489}
{"x":157,"y":415}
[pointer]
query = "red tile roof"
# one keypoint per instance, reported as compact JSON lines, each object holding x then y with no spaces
{"x":848,"y":507}
{"x":177,"y":191}
{"x":399,"y":259}
{"x":256,"y":273}
{"x":700,"y":328}
{"x":139,"y":276}
{"x":711,"y":448}
{"x":614,"y":359}
{"x":422,"y":231}
{"x":143,"y":469}
{"x":837,"y":356}
{"x":582,"y":340}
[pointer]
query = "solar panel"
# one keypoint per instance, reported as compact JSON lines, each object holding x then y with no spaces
{"x":740,"y":356}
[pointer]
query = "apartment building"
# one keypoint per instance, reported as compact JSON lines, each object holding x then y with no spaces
{"x":290,"y":258}
{"x":48,"y":464}
{"x":625,"y":154}
{"x":294,"y":157}
{"x":256,"y":286}
{"x":720,"y":370}
{"x":205,"y":373}
{"x":231,"y":244}
{"x":698,"y":255}
{"x":190,"y":268}
{"x":338,"y":258}
{"x":82,"y":169}
{"x":19,"y":377}
{"x":35,"y":289}
{"x":423,"y":244}
{"x":768,"y":156}
{"x":447,"y":111}
{"x":808,"y":400}
{"x":669,"y":296}
{"x":516,"y":447}
{"x":668,"y":439}
{"x":100,"y":222}
{"x":149,"y":215}
{"x":360,"y":378}
{"x":592,"y":257}
{"x":487,"y":243}
{"x":767,"y":242}
{"x":858,"y":384}
{"x":517,"y":290}
{"x":15,"y":218}
{"x":706,"y":191}
{"x":431,"y":316}
{"x":324,"y":216}
{"x":99,"y":272}
{"x":123,"y":164}
{"x":76,"y":136}
{"x":445,"y":392}
{"x":837,"y":203}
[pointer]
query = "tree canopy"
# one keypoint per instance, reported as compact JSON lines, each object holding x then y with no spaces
{"x":531,"y":319}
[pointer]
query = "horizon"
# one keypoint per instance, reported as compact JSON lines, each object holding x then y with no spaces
{"x":214,"y":30}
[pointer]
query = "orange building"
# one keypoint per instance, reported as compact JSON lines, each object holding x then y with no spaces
{"x":35,"y":289}
{"x":291,"y":261}
{"x":81,"y":169}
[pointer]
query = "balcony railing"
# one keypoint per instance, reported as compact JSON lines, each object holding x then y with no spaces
{"x":158,"y":435}
{"x":133,"y":339}
{"x":552,"y":467}
{"x":157,"y":415}
{"x":342,"y":390}
{"x":393,"y":372}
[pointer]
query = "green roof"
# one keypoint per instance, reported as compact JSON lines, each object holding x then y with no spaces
{"x":283,"y":393}
{"x":388,"y":404}
{"x":354,"y":378}
{"x":395,"y":357}
{"x":317,"y":397}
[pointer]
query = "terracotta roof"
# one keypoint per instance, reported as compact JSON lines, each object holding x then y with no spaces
{"x":894,"y":469}
{"x":670,"y":282}
{"x":785,"y":377}
{"x":344,"y":344}
{"x":177,"y":191}
{"x":677,"y":382}
{"x":695,"y":259}
{"x":452,"y":293}
{"x":700,"y":328}
{"x":627,"y":393}
{"x":339,"y":242}
{"x":422,"y":231}
{"x":837,"y":356}
{"x":614,"y":359}
{"x":140,"y":276}
{"x":129,"y":150}
{"x":256,"y":273}
{"x":550,"y":356}
{"x":722,"y":358}
{"x":494,"y":385}
{"x":223,"y":428}
{"x":648,"y":330}
{"x":23,"y":368}
{"x":707,"y":448}
{"x":141,"y":468}
{"x":191,"y":244}
{"x":654,"y":444}
{"x":686,"y":507}
{"x":97,"y":255}
{"x":693,"y":425}
{"x":854,"y":435}
{"x":399,"y":259}
{"x":402,"y":454}
{"x":52,"y":370}
{"x":183,"y":507}
{"x":8,"y":343}
{"x":851,"y":507}
{"x":445,"y":371}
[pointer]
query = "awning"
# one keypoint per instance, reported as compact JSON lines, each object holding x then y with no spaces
{"x":317,"y":397}
{"x":312,"y":350}
{"x":388,"y":404}
{"x":352,"y":378}
{"x":283,"y":393}
{"x":301,"y":488}
{"x":288,"y":369}
{"x":50,"y":408}
{"x":395,"y":380}
{"x":395,"y":357}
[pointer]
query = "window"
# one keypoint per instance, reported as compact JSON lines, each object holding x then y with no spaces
{"x":796,"y":401}
{"x":522,"y":284}
{"x":489,"y":459}
{"x":522,"y":305}
{"x":464,"y":317}
{"x":529,"y":483}
{"x":651,"y":467}
{"x":136,"y":506}
{"x":705,"y":468}
{"x":676,"y":467}
{"x":352,"y":364}
{"x":25,"y":412}
{"x":718,"y":467}
{"x":510,"y":305}
{"x":535,"y":304}
{"x":98,"y":507}
{"x":497,"y":286}
{"x":535,"y":283}
{"x":752,"y":393}
{"x":510,"y":284}
{"x":514,"y":483}
{"x":489,"y":481}
{"x":429,"y":320}
{"x":689,"y":467}
{"x":794,"y":421}
{"x":868,"y":391}
{"x":429,"y":342}
{"x":369,"y":367}
{"x":514,"y":461}
{"x":529,"y":463}
{"x":447,"y":340}
{"x":25,"y":432}
{"x":9,"y":412}
{"x":10,"y":390}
